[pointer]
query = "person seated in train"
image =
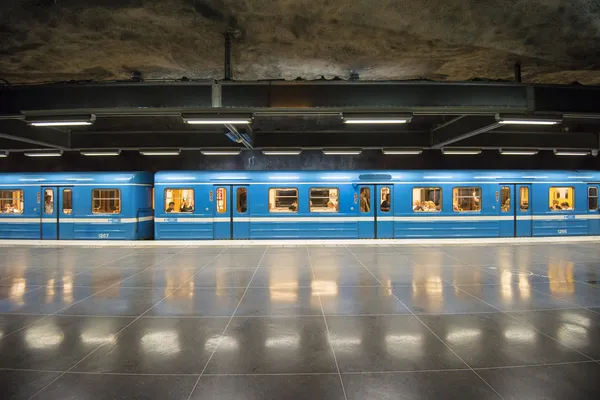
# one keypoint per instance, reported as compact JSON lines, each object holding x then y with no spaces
{"x":506,"y":206}
{"x":185,"y":207}
{"x":555,"y":205}
{"x":565,"y":206}
{"x":171,"y":207}
{"x":294,"y":206}
{"x":48,"y":205}
{"x":385,"y":204}
{"x":456,"y":207}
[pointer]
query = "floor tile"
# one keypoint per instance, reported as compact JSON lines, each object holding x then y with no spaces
{"x":159,"y":346}
{"x":119,"y":387}
{"x":160,"y":277}
{"x":44,"y":276}
{"x":21,"y":385}
{"x":203,"y":302}
{"x":578,"y":293}
{"x":283,"y":277}
{"x":16,"y":290}
{"x":224,"y":277}
{"x":273,"y":345}
{"x":407,"y":276}
{"x":577,"y":328}
{"x":495,"y":340}
{"x":459,"y":385}
{"x":117,"y":301}
{"x":57,"y":343}
{"x":435,"y":298}
{"x":388,"y":343}
{"x":572,"y":381}
{"x":346,"y":276}
{"x":45,"y":300}
{"x":360,"y":301}
{"x":269,"y":387}
{"x":277,"y":300}
{"x":11,"y":322}
{"x":384,"y":259}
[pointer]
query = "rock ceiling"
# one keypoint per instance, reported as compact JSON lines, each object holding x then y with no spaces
{"x":557,"y":41}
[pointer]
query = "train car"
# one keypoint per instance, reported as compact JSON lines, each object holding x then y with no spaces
{"x":375,"y":204}
{"x":67,"y":206}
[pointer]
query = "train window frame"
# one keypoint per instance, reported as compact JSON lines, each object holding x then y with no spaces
{"x":326,"y":209}
{"x":368,"y":197}
{"x":67,"y":199}
{"x":20,"y":201}
{"x":238,"y":204}
{"x":590,"y":197}
{"x":419,"y":188}
{"x":503,"y":199}
{"x":178,"y":210}
{"x":474,"y":196}
{"x":221,"y":203}
{"x":551,"y":200}
{"x":523,"y":206}
{"x":51,"y":191}
{"x":119,"y":198}
{"x":383,"y":189}
{"x":275,"y":210}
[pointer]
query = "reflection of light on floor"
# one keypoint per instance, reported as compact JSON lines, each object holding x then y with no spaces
{"x":283,"y":341}
{"x":96,"y":338}
{"x":17,"y":290}
{"x":520,"y":335}
{"x":43,"y":336}
{"x":576,"y":319}
{"x":224,"y":342}
{"x":524,"y":287}
{"x":161,"y":342}
{"x":346,"y":343}
{"x":68,"y":289}
{"x":399,"y":340}
{"x":463,"y":336}
{"x":572,"y":335}
{"x":191,"y":287}
{"x":284,"y":292}
{"x":50,"y":291}
{"x":506,"y":285}
{"x":324,"y":288}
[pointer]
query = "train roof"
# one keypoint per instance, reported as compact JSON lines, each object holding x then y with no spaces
{"x":367,"y":176}
{"x":76,"y":178}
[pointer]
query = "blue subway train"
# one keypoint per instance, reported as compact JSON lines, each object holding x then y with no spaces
{"x":374,"y":204}
{"x":206,"y":205}
{"x":51,"y":206}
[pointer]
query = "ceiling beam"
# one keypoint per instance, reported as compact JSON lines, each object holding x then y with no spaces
{"x":462,"y":129}
{"x":534,"y":140}
{"x":19,"y":131}
{"x":137,"y":140}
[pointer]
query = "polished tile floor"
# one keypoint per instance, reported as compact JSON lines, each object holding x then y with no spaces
{"x":339,"y":322}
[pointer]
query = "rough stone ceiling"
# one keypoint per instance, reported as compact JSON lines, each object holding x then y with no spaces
{"x":557,"y":41}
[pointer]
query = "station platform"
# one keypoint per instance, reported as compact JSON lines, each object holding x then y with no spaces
{"x":481,"y":319}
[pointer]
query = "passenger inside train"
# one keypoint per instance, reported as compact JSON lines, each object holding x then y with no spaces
{"x":171,"y":207}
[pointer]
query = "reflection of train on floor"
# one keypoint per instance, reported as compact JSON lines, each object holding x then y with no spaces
{"x":299,"y":204}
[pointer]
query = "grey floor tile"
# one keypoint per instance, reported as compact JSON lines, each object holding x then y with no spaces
{"x":203,"y":302}
{"x":21,"y":385}
{"x":13,"y":322}
{"x":359,"y":301}
{"x":117,"y":301}
{"x":345,"y":276}
{"x":279,"y":301}
{"x":581,"y":294}
{"x":435,"y":298}
{"x":512,"y":296}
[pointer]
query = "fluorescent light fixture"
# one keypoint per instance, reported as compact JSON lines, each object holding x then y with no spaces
{"x":282,"y":152}
{"x":57,"y":153}
{"x":341,"y":152}
{"x":3,"y":154}
{"x":220,"y":152}
{"x":518,"y":152}
{"x":216,"y":120}
{"x":63,"y":120}
{"x":100,"y":153}
{"x":160,"y":152}
{"x":524,"y":120}
{"x":460,"y":152}
{"x":571,"y":153}
{"x":402,"y":151}
{"x":378,"y":119}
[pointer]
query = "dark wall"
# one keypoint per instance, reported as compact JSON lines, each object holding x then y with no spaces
{"x":309,"y":160}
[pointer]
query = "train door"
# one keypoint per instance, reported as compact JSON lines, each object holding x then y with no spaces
{"x":231,"y":219}
{"x":593,"y":212}
{"x":505,"y":198}
{"x":49,"y":219}
{"x":375,"y":212}
{"x":523,"y":212}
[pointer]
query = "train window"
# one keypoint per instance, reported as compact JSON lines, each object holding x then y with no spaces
{"x":179,"y":200}
{"x":67,"y":201}
{"x":524,"y":198}
{"x":11,"y":201}
{"x":221,"y":200}
{"x":561,"y":199}
{"x":283,"y":200}
{"x":466,"y":199}
{"x":106,"y":201}
{"x":324,"y":200}
{"x":592,"y":198}
{"x":427,"y":199}
{"x":242,"y":200}
{"x":365,"y":199}
{"x":48,"y":201}
{"x":385,"y":196}
{"x":505,"y":199}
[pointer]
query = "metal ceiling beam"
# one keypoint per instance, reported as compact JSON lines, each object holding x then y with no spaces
{"x":536,"y":140}
{"x":348,"y":139}
{"x":137,"y":140}
{"x":46,"y":137}
{"x":462,"y":129}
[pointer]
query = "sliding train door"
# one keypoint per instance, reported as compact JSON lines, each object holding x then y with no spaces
{"x":231,"y":220}
{"x":375,"y":212}
{"x":49,"y":205}
{"x":523,"y":214}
